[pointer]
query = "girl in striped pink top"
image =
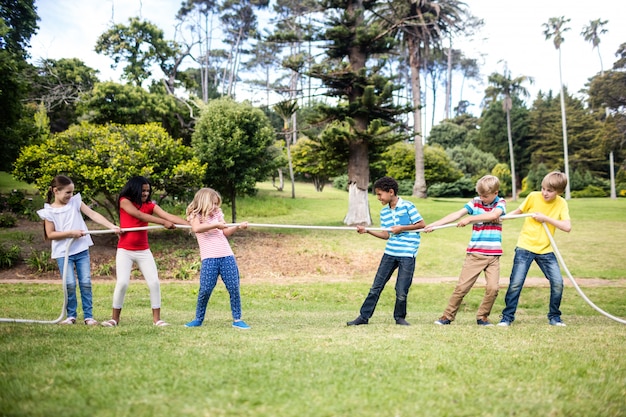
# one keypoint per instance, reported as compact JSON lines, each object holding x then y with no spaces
{"x":207,"y":222}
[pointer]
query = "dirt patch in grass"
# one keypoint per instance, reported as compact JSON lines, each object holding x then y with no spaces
{"x":262,"y":258}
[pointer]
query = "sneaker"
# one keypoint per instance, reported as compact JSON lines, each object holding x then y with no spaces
{"x":194,"y":323}
{"x":240,"y":324}
{"x":91,"y":322}
{"x":556,"y":321}
{"x":402,"y":322}
{"x":109,"y":323}
{"x":484,"y":322}
{"x":443,"y":321}
{"x":357,"y":322}
{"x":69,"y":320}
{"x":504,"y":323}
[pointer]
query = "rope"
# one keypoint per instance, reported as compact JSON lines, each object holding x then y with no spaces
{"x":295,"y":226}
{"x":571,"y":278}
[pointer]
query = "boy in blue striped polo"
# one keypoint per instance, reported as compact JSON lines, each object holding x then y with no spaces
{"x":402,"y":219}
{"x":484,"y":249}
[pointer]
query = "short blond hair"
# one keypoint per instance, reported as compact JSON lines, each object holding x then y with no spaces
{"x":487,"y":185}
{"x":555,"y":180}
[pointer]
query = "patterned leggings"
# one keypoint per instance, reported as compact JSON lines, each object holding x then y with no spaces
{"x":226,"y":267}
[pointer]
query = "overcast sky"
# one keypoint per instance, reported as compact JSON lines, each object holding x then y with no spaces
{"x":512,"y":36}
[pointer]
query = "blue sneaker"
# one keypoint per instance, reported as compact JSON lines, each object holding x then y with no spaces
{"x":556,"y":321}
{"x":240,"y":324}
{"x":482,"y":322}
{"x":443,"y":321}
{"x":194,"y":323}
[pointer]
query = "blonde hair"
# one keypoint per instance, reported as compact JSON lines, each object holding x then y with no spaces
{"x":487,"y":185}
{"x":555,"y":180}
{"x":204,"y":203}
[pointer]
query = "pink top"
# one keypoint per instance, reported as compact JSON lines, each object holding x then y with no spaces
{"x":213,"y":243}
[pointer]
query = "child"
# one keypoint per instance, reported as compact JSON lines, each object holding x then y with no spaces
{"x":484,"y":249}
{"x":136,"y":210}
{"x":402,"y":218}
{"x":207,"y":222}
{"x":62,"y":221}
{"x":533,"y":244}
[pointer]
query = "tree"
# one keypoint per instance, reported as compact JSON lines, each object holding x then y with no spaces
{"x":353,"y":75}
{"x":140,"y":44}
{"x":501,"y":85}
{"x":18,"y":22}
{"x":286,"y":109}
{"x":555,"y":29}
{"x":317,"y":158}
{"x":100,"y":159}
{"x":236,"y":141}
{"x":423,"y":25}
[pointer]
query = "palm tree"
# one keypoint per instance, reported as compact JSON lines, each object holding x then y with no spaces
{"x":423,"y":26}
{"x":501,"y":85}
{"x":286,"y":109}
{"x":592,"y":34}
{"x":555,"y":29}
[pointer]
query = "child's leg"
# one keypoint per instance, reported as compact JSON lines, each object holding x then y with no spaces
{"x":209,"y":270}
{"x":123,"y":266}
{"x":147,"y":266}
{"x":550,"y":268}
{"x":492,"y":276}
{"x":521,"y":263}
{"x":406,"y":269}
{"x":387,"y":265}
{"x":83,"y":271}
{"x":230,"y":276}
{"x":70,"y":285}
{"x":473,"y":265}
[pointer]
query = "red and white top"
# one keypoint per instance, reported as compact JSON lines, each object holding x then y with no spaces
{"x":213,"y":243}
{"x":135,"y":240}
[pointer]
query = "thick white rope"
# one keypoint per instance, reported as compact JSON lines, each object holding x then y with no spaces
{"x":571,"y":278}
{"x":294,"y":226}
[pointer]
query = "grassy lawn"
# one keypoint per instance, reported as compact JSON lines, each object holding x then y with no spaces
{"x":299,"y":358}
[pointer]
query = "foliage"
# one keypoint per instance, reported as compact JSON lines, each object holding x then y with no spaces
{"x":503,"y":173}
{"x":316,"y":159}
{"x":9,"y":256}
{"x":236,"y":142}
{"x":40,"y":261}
{"x":589,"y":191}
{"x":463,"y":187}
{"x":473,"y":162}
{"x":448,"y":135}
{"x":100,"y":159}
{"x":7,"y":220}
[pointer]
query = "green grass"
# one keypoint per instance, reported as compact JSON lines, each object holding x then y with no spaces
{"x":299,"y":358}
{"x":8,"y":183}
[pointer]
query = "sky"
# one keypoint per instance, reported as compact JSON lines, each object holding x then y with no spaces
{"x":512,"y":37}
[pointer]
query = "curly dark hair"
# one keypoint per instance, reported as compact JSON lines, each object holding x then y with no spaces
{"x":386,"y":184}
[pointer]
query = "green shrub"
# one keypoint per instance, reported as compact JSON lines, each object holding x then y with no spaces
{"x":341,"y":182}
{"x":464,"y":187}
{"x":40,"y":261}
{"x":9,"y":256}
{"x":7,"y":220}
{"x":589,"y":191}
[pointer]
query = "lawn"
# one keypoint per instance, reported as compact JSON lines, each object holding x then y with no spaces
{"x":300,"y":359}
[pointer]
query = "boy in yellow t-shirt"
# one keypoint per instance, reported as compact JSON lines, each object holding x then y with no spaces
{"x":533,"y":244}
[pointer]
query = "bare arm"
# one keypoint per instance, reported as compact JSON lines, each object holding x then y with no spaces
{"x":446,"y":219}
{"x":97,"y":217}
{"x":53,"y":234}
{"x":169,"y":217}
{"x":490,"y":216}
{"x":564,"y":225}
{"x":129,"y":208}
{"x":381,"y":234}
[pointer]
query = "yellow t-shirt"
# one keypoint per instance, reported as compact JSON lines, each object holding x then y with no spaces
{"x":533,"y":237}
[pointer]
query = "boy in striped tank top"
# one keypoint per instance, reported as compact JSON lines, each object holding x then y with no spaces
{"x":401,"y":218}
{"x":484,"y":249}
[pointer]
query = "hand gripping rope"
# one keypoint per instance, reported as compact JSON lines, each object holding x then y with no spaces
{"x":293,"y":226}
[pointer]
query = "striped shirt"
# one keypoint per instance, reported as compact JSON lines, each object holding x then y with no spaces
{"x":213,"y":243}
{"x":403,"y":214}
{"x":486,"y":237}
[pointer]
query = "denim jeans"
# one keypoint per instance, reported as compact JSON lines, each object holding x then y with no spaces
{"x":521,"y":264}
{"x":80,"y":265}
{"x":388,"y":264}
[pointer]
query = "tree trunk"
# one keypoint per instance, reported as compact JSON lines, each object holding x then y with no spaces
{"x":508,"y":104}
{"x":358,"y":183}
{"x":564,"y":123}
{"x":419,"y":188}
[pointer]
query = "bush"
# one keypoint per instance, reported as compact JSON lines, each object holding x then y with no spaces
{"x":40,"y":261}
{"x":405,"y":187}
{"x":464,"y":187}
{"x":341,"y":182}
{"x":589,"y":191}
{"x":9,"y":256}
{"x":7,"y":220}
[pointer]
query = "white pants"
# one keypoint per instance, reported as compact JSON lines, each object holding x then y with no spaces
{"x":124,"y":260}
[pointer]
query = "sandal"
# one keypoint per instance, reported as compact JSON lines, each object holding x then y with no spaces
{"x":91,"y":322}
{"x":109,"y":323}
{"x":69,"y":320}
{"x":161,"y":323}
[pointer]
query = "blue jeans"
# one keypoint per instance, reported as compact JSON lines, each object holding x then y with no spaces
{"x":521,"y":264}
{"x":210,"y":269}
{"x":388,"y":264}
{"x":80,"y":265}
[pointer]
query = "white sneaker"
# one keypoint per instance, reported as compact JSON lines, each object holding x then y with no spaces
{"x":69,"y":320}
{"x":504,"y":323}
